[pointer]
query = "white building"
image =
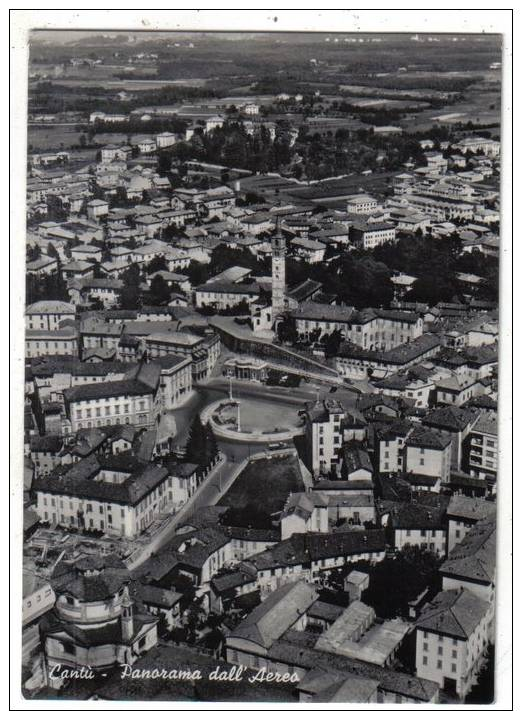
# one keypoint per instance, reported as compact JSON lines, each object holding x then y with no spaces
{"x":372,"y":234}
{"x":323,"y":433}
{"x":165,"y":139}
{"x":452,"y":637}
{"x":462,"y":514}
{"x":47,"y":315}
{"x":361,"y":205}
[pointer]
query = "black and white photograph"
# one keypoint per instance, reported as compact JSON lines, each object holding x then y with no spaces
{"x":262,"y":332}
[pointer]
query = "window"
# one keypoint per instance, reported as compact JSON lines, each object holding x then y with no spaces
{"x":425,"y":661}
{"x":454,"y":668}
{"x":425,"y":647}
{"x":69,"y":648}
{"x":439,"y":663}
{"x":454,"y":653}
{"x":440,"y":651}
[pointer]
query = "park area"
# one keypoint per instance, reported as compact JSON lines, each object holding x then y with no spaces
{"x":265,"y":483}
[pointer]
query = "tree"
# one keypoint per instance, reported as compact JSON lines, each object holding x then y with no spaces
{"x":394,"y":582}
{"x":157,"y":264}
{"x":159,"y":291}
{"x":163,"y":627}
{"x":164,"y":163}
{"x":364,"y":282}
{"x":433,"y":288}
{"x":120,"y":198}
{"x":483,"y":692}
{"x":52,"y":251}
{"x":332,"y":342}
{"x":212,"y":448}
{"x":33,"y":252}
{"x":196,"y":447}
{"x":286,"y":330}
{"x":246,"y":516}
{"x":194,"y":615}
{"x":47,"y":287}
{"x":131,"y":295}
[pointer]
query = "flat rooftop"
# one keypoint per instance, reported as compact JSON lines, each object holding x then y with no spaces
{"x":376,"y":643}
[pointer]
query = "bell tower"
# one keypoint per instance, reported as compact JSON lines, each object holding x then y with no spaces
{"x":278,"y":272}
{"x":127,"y":617}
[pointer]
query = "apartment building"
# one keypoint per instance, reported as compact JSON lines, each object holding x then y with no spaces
{"x":451,"y":640}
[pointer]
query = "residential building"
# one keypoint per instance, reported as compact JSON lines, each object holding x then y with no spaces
{"x":203,"y":349}
{"x":323,"y":434}
{"x":165,"y":139}
{"x":422,"y":455}
{"x":306,"y":556}
{"x":97,"y":208}
{"x":309,"y":250}
{"x":43,"y":265}
{"x":359,"y":364}
{"x":129,"y":401}
{"x":456,"y":422}
{"x":376,"y":329}
{"x":417,"y":524}
{"x":223,"y":295}
{"x":58,"y":341}
{"x":451,"y":640}
{"x":482,"y":459}
{"x":47,"y":315}
{"x":372,"y":234}
{"x":471,"y":562}
{"x":361,"y":205}
{"x":474,"y":144}
{"x":462,"y":514}
{"x":117,"y":494}
{"x":272,"y":637}
{"x":303,"y":513}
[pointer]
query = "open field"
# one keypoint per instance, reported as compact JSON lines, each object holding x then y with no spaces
{"x":265,"y":484}
{"x":53,"y":137}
